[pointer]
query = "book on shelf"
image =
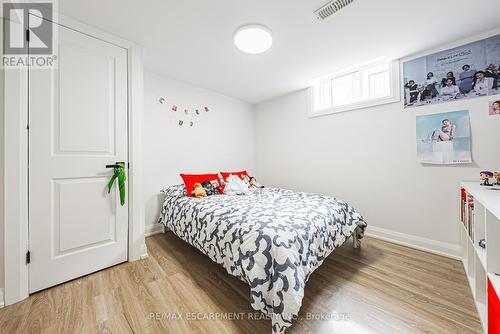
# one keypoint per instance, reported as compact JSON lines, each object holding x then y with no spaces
{"x":467,"y":213}
{"x":471,"y":217}
{"x":463,"y":198}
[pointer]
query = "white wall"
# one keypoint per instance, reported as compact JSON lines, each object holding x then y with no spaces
{"x":368,"y":158}
{"x":222,"y":139}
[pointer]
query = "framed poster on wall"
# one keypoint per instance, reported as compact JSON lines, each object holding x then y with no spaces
{"x":463,"y":72}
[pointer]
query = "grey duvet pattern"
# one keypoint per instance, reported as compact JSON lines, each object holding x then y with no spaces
{"x":272,"y":239}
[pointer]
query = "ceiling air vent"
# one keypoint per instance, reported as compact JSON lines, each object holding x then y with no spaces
{"x":331,"y":8}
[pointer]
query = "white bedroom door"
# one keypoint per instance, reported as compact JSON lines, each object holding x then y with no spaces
{"x":77,"y":126}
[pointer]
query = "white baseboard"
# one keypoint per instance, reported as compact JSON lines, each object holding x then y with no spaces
{"x":2,"y":301}
{"x":153,"y":229}
{"x":424,"y":244}
{"x":144,"y":252}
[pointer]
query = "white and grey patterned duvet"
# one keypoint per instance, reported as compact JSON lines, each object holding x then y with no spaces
{"x":272,"y":239}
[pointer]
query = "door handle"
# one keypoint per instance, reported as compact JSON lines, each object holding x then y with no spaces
{"x":120,"y":175}
{"x":116,"y":165}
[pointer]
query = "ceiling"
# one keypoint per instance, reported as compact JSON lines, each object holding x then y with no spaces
{"x":191,"y":40}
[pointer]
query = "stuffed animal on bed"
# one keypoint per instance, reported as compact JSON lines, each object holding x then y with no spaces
{"x":217,"y":187}
{"x":251,"y":182}
{"x":199,"y":191}
{"x":254,"y":184}
{"x":211,"y":187}
{"x":235,"y":186}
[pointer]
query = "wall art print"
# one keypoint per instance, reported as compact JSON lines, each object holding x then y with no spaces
{"x":444,"y":138}
{"x":464,"y":72}
{"x":494,"y":109}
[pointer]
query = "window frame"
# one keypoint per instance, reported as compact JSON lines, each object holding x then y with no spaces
{"x":394,"y":82}
{"x":356,"y":81}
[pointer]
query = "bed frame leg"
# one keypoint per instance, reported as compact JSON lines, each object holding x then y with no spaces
{"x":356,"y":242}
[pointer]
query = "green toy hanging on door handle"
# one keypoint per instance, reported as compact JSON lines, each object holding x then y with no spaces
{"x":119,"y":173}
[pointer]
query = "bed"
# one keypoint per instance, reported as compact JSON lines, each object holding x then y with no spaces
{"x":272,"y":239}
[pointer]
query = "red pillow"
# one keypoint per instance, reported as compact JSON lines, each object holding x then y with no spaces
{"x":191,"y":179}
{"x":225,"y":175}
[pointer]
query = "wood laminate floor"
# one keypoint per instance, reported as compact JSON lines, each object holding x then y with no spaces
{"x":380,"y":288}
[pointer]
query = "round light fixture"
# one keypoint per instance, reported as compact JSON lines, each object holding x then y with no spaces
{"x":253,"y":39}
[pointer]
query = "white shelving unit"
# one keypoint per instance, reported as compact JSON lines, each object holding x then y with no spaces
{"x":482,"y":263}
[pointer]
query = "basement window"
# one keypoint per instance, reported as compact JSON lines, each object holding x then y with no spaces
{"x":363,"y":86}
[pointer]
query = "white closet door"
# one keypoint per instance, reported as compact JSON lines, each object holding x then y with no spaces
{"x":78,"y":125}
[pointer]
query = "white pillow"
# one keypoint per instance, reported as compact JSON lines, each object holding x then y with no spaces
{"x":235,"y":186}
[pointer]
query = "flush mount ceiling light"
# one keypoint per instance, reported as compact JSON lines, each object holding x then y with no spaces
{"x":253,"y":38}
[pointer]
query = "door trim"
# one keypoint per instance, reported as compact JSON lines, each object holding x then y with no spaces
{"x":15,"y":215}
